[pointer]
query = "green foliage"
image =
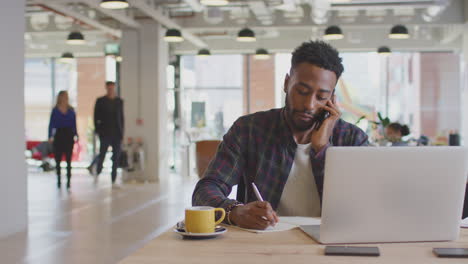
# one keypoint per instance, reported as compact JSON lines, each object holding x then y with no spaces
{"x":360,"y":119}
{"x":383,"y":121}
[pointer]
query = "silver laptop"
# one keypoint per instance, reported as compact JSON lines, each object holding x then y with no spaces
{"x":392,"y":194}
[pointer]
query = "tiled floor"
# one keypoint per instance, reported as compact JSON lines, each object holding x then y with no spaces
{"x":94,"y":223}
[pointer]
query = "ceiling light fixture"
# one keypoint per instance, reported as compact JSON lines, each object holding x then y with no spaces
{"x":333,"y":33}
{"x":204,"y":52}
{"x":384,"y":50}
{"x":246,"y":35}
{"x":67,"y":57}
{"x":114,"y":4}
{"x":214,"y":2}
{"x":399,"y":32}
{"x":75,"y":38}
{"x":261,"y":54}
{"x":173,"y":35}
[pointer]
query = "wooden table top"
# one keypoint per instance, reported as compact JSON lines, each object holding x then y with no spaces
{"x":287,"y":247}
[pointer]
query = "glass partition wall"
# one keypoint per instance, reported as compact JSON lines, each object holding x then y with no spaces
{"x":418,"y":89}
{"x":204,"y":100}
{"x":421,"y":90}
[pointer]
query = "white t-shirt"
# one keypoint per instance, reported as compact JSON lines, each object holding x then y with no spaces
{"x":300,"y":196}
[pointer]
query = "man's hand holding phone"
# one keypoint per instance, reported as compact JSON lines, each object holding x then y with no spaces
{"x":321,"y":134}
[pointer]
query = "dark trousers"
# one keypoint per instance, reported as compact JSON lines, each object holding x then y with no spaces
{"x":115,"y":142}
{"x":95,"y":160}
{"x":63,"y":144}
{"x":465,"y":205}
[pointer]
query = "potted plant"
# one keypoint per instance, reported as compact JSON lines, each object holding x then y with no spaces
{"x":377,"y":129}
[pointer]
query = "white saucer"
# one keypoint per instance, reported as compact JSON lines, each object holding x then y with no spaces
{"x":218,"y":231}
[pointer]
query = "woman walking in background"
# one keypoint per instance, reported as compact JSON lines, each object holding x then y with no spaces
{"x":62,"y":132}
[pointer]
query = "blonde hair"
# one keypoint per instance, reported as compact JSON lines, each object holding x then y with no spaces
{"x":60,"y":96}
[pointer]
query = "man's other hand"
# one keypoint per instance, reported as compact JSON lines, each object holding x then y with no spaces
{"x":254,"y":215}
{"x":321,"y":137}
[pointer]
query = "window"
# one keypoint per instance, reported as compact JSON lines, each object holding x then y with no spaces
{"x":212,"y":94}
{"x":38,"y":96}
{"x":420,"y":90}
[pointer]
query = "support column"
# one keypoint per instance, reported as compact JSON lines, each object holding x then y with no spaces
{"x":143,"y":86}
{"x":464,"y":80}
{"x":13,"y":195}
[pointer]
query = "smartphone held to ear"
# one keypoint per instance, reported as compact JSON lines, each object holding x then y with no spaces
{"x":323,"y":114}
{"x":320,"y":118}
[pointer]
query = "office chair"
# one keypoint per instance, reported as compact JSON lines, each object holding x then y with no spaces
{"x":205,"y":151}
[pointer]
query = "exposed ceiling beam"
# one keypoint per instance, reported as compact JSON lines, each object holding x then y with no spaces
{"x":319,"y":11}
{"x":69,"y":12}
{"x":167,"y":22}
{"x":261,"y":11}
{"x":451,"y":33}
{"x":453,"y":14}
{"x":51,"y":54}
{"x":355,"y":40}
{"x":288,"y":6}
{"x":466,"y":12}
{"x":195,"y":5}
{"x":126,"y":20}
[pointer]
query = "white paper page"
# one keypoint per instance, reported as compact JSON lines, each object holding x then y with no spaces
{"x":277,"y":228}
{"x":300,"y":220}
{"x":464,"y":223}
{"x":285,"y":223}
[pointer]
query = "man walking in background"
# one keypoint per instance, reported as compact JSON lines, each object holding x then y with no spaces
{"x":109,"y":125}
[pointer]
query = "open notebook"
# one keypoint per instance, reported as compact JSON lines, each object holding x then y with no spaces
{"x":290,"y":222}
{"x":286,"y":223}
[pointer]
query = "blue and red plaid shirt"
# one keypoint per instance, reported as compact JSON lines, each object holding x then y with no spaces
{"x":260,"y":148}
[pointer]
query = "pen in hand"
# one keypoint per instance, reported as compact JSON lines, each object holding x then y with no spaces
{"x":259,"y":196}
{"x":257,"y":193}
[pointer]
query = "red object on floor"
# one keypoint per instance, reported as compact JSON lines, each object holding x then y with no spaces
{"x":76,"y":154}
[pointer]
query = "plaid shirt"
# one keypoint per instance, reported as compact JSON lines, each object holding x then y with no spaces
{"x":260,"y":148}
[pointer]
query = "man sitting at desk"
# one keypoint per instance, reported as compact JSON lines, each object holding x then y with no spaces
{"x":282,"y":150}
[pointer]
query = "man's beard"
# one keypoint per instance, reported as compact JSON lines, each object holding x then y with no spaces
{"x":303,"y":126}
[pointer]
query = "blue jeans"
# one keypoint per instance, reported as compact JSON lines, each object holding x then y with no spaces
{"x":116,"y":143}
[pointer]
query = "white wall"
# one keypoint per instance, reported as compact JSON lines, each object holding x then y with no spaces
{"x":464,"y":84}
{"x":13,"y":200}
{"x":449,"y":104}
{"x":143,"y":81}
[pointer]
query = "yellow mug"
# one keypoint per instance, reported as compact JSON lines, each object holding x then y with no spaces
{"x":201,"y":219}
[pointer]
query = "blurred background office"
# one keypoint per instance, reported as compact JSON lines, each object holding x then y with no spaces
{"x":414,"y":75}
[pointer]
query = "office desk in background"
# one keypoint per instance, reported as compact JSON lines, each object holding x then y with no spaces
{"x":287,"y":247}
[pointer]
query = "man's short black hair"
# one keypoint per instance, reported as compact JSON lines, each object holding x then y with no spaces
{"x":320,"y":54}
{"x":109,"y":83}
